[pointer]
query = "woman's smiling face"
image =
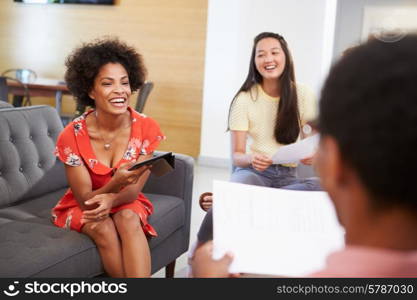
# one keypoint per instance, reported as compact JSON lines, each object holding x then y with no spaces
{"x":111,"y":90}
{"x":269,"y":58}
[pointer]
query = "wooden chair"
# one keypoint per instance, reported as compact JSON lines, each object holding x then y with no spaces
{"x":21,"y":76}
{"x":143,"y":94}
{"x":4,"y":91}
{"x":17,"y":100}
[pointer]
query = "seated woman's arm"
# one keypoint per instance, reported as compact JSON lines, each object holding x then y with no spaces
{"x":130,"y":192}
{"x":131,"y":182}
{"x":239,"y":156}
{"x":103,"y":203}
{"x":241,"y":159}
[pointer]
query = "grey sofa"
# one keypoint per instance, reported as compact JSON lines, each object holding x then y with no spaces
{"x":32,"y":180}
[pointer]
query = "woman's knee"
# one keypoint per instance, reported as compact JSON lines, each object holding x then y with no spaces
{"x":308,"y":184}
{"x":314,"y":184}
{"x":126,"y":220}
{"x":102,"y":233}
{"x":247,"y":177}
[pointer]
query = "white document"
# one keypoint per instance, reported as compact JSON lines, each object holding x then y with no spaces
{"x":292,"y":153}
{"x":274,"y":231}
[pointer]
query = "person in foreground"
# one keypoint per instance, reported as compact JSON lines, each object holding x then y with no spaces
{"x":104,"y":200}
{"x":366,"y":161}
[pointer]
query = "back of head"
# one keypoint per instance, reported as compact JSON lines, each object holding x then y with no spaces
{"x":369,"y":105}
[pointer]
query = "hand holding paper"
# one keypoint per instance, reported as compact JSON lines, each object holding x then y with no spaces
{"x":260,"y":162}
{"x":274,"y":231}
{"x":204,"y":266}
{"x":293,"y":153}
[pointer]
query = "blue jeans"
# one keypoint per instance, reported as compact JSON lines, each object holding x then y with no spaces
{"x":276,"y":176}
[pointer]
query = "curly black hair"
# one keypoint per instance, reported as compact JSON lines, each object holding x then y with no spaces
{"x":84,"y":63}
{"x":369,"y":106}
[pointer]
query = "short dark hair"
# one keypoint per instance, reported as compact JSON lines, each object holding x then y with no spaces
{"x":84,"y":63}
{"x":369,"y":106}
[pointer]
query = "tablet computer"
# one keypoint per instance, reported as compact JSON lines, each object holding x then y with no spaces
{"x":161,"y":164}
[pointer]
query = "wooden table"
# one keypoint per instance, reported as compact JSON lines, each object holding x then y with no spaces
{"x":41,"y":87}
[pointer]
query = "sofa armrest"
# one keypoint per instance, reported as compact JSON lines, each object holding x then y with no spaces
{"x":178,"y":183}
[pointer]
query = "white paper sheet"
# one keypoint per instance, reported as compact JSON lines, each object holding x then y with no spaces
{"x":274,"y":231}
{"x":292,"y":153}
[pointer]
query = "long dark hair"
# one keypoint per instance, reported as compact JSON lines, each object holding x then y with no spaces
{"x":287,"y":126}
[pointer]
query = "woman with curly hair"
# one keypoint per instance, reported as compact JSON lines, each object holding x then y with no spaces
{"x":104,"y":200}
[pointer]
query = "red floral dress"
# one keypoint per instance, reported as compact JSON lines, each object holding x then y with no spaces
{"x":73,"y":148}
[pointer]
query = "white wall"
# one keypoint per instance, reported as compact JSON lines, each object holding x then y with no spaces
{"x":308,"y":27}
{"x":350,"y":17}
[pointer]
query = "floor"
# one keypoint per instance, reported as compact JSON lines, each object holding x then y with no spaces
{"x":203,"y":180}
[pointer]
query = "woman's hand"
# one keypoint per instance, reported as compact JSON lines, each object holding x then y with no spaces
{"x":260,"y":162}
{"x":102,"y":204}
{"x":124,"y":177}
{"x":204,"y":266}
{"x":206,"y":201}
{"x":308,"y":160}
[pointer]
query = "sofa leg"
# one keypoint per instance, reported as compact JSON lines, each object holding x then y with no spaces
{"x":170,"y":270}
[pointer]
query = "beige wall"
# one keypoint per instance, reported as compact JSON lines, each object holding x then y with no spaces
{"x":169,"y":33}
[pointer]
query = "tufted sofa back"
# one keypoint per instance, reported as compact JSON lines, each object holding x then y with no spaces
{"x":4,"y":104}
{"x":28,"y":167}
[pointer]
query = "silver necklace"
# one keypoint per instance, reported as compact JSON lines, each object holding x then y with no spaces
{"x":107,"y":145}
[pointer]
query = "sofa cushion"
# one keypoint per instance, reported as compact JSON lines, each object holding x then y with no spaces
{"x":70,"y":254}
{"x":4,"y":104}
{"x":27,"y":165}
{"x":4,"y":221}
{"x":168,"y":213}
{"x":168,"y":216}
{"x":37,"y":210}
{"x":38,"y":250}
